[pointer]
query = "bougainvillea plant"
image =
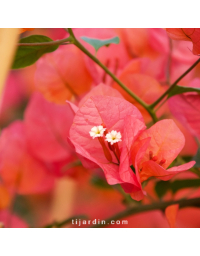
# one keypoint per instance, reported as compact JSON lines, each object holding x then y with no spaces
{"x":101,"y":124}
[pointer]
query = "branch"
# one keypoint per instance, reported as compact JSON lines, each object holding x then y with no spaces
{"x":194,"y":202}
{"x":174,"y":84}
{"x":56,"y":224}
{"x":72,"y":39}
{"x":123,"y":86}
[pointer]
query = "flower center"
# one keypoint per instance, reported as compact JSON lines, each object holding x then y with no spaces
{"x":112,"y":137}
{"x":97,"y":131}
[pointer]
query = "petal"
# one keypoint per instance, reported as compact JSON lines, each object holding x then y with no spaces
{"x":134,"y":186}
{"x":73,"y":106}
{"x":110,"y":111}
{"x":152,"y":169}
{"x":10,"y":220}
{"x":62,"y":75}
{"x":132,"y":129}
{"x":186,"y":108}
{"x":18,"y":168}
{"x":166,"y":141}
{"x":110,"y":170}
{"x":136,"y":159}
{"x":47,"y":129}
{"x":103,"y":90}
{"x":177,"y":34}
{"x":5,"y":196}
{"x":181,"y":168}
{"x":135,"y":192}
{"x":171,"y":213}
{"x":187,"y":34}
{"x":140,"y":84}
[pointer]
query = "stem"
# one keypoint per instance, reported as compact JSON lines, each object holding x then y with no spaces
{"x":160,"y":105}
{"x":56,"y":224}
{"x":83,"y":49}
{"x":72,"y":39}
{"x":195,"y":202}
{"x":57,"y":42}
{"x":174,"y":84}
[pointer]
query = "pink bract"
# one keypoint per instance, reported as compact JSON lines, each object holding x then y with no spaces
{"x":19,"y":170}
{"x":47,"y":129}
{"x":10,"y":220}
{"x":186,"y":34}
{"x":166,"y":142}
{"x":101,"y":89}
{"x":113,"y":112}
{"x":62,"y":75}
{"x":186,"y":108}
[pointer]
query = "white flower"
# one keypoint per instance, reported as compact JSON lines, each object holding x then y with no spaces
{"x":113,"y":137}
{"x":97,"y":131}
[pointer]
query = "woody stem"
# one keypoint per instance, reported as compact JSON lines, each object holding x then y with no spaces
{"x":123,"y":86}
{"x":195,"y":202}
{"x":173,"y":85}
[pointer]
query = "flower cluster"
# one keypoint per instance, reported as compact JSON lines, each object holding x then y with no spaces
{"x":114,"y":136}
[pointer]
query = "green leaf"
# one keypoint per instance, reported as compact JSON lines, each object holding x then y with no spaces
{"x":97,"y":43}
{"x":187,"y":158}
{"x":162,"y":187}
{"x":181,"y":184}
{"x":182,"y":89}
{"x":27,"y":55}
{"x":197,"y":159}
{"x":99,"y":182}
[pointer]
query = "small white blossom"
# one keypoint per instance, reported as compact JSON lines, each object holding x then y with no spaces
{"x":97,"y":131}
{"x":113,"y":137}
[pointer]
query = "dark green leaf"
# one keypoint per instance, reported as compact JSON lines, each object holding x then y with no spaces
{"x":161,"y":188}
{"x":197,"y":158}
{"x":181,"y":184}
{"x":182,"y":89}
{"x":27,"y":55}
{"x":97,"y":43}
{"x":99,"y":182}
{"x":187,"y":158}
